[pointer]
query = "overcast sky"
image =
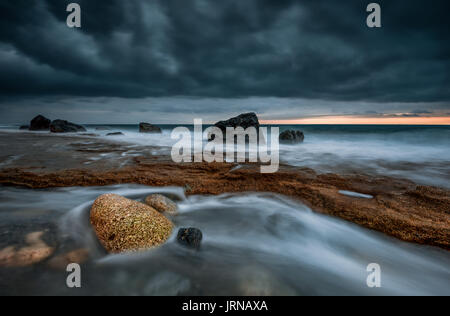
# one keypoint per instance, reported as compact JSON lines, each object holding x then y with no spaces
{"x":169,"y":61}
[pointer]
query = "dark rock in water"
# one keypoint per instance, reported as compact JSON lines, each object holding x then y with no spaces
{"x":190,"y":237}
{"x":24,"y":127}
{"x":292,"y":137}
{"x":245,"y":121}
{"x":115,"y":134}
{"x":61,"y":126}
{"x":40,"y":123}
{"x":149,"y":128}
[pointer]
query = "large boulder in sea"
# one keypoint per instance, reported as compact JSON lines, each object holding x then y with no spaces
{"x":124,"y":225}
{"x":40,"y":123}
{"x":245,"y":121}
{"x":149,"y":128}
{"x":292,"y":137}
{"x":61,"y":126}
{"x":161,"y":203}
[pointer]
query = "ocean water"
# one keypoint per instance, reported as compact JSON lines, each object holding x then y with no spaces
{"x":253,"y":244}
{"x":418,"y":153}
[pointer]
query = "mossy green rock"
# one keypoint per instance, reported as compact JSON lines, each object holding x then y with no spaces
{"x":124,"y":225}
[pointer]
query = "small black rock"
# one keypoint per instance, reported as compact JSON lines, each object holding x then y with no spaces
{"x":24,"y":127}
{"x":292,"y":137}
{"x":149,"y":128}
{"x":62,"y":126}
{"x":190,"y":237}
{"x":115,"y":134}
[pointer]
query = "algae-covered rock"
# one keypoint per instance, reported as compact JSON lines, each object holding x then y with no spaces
{"x":161,"y":203}
{"x":124,"y":225}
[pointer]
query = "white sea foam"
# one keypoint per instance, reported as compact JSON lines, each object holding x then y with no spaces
{"x":299,"y":251}
{"x":421,"y":154}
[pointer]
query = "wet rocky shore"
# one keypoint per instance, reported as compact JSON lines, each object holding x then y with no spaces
{"x":397,"y":207}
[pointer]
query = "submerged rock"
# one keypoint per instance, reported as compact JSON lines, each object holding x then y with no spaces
{"x":40,"y":123}
{"x":255,"y":280}
{"x":24,"y":127}
{"x":125,"y":225}
{"x":75,"y":256}
{"x":161,"y":203}
{"x":190,"y":237}
{"x":115,"y":134}
{"x":149,"y":128}
{"x":292,"y":137}
{"x":35,"y":251}
{"x":61,"y":126}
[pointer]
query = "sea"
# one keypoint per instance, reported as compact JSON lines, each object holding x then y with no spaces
{"x":414,"y":152}
{"x":253,"y":243}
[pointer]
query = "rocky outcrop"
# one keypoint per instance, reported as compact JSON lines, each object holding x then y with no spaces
{"x":62,"y":126}
{"x":292,"y":137}
{"x":40,"y":123}
{"x":245,"y":121}
{"x":161,"y":203}
{"x":124,"y":225}
{"x":190,"y":237}
{"x":115,"y":134}
{"x":399,"y":208}
{"x":24,"y":127}
{"x":149,"y":128}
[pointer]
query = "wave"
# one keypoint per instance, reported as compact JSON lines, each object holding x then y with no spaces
{"x":263,"y":244}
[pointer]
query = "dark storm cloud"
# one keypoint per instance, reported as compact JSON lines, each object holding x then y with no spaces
{"x":227,"y":49}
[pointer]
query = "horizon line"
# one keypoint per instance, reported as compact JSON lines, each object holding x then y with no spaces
{"x":358,"y":120}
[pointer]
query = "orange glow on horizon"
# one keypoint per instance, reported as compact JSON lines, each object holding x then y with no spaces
{"x":360,"y":120}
